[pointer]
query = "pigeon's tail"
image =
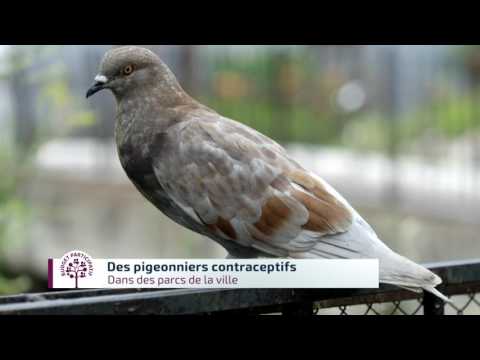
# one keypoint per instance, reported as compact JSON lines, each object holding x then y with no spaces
{"x":400,"y":271}
{"x":394,"y":269}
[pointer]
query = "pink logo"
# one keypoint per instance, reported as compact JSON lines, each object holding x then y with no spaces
{"x":76,"y":265}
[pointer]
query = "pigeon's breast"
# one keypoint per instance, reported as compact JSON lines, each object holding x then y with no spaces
{"x":137,"y":163}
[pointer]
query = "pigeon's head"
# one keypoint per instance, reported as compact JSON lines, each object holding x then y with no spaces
{"x":125,"y":69}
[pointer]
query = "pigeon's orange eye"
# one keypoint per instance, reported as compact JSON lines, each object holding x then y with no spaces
{"x":127,"y":70}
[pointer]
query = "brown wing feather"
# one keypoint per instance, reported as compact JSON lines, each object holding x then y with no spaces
{"x":326,"y":215}
{"x":274,"y":214}
{"x":225,"y":227}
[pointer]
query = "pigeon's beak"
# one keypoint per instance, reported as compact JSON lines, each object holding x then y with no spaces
{"x":100,"y":81}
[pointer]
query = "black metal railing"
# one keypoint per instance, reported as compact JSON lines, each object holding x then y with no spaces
{"x":461,"y":283}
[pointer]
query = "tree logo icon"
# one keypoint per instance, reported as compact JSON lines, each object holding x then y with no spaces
{"x":76,"y":265}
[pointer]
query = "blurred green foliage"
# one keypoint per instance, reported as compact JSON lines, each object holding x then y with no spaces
{"x":59,"y":113}
{"x":275,"y":93}
{"x":14,"y":215}
{"x":63,"y":111}
{"x":451,"y":116}
{"x":448,"y":117}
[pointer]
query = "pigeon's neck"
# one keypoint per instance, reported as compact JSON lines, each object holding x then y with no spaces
{"x":158,"y":104}
{"x":167,"y":91}
{"x":162,"y":93}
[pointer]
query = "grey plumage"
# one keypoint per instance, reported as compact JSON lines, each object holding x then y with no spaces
{"x":227,"y":181}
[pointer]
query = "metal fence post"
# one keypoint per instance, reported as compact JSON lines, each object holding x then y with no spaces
{"x":432,"y":305}
{"x":303,"y":309}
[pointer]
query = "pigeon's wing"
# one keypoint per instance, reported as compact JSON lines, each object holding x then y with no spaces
{"x":243,"y":187}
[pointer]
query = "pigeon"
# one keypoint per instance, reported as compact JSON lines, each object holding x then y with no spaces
{"x":230,"y":183}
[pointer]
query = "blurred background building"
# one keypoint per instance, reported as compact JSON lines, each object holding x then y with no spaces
{"x":396,"y":129}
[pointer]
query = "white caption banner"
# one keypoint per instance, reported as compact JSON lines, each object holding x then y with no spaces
{"x":76,"y":269}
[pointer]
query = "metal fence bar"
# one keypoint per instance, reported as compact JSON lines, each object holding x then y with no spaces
{"x":68,"y":294}
{"x":299,"y":310}
{"x":432,"y":305}
{"x":459,"y":278}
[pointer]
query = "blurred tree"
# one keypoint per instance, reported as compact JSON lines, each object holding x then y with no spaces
{"x":13,"y":218}
{"x":23,"y":97}
{"x":188,"y":68}
{"x":281,"y":93}
{"x":471,"y":55}
{"x":44,"y":106}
